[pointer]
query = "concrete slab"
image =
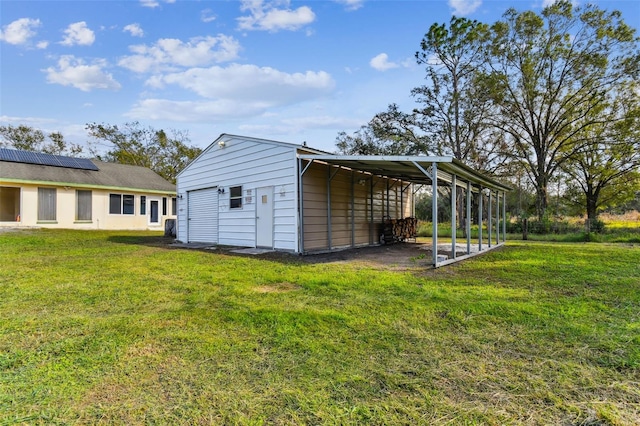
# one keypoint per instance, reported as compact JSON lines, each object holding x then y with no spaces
{"x":252,"y":251}
{"x":207,"y":246}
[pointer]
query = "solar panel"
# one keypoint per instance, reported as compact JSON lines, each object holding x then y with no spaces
{"x":28,"y":157}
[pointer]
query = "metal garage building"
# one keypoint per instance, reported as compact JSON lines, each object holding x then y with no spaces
{"x":250,"y":192}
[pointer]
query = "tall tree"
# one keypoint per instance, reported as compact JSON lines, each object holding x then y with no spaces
{"x":455,"y":106}
{"x":551,"y":76}
{"x":607,"y":169}
{"x":142,"y":146}
{"x":27,"y":138}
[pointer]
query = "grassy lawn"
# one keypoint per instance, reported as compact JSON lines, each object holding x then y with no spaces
{"x":114,"y":327}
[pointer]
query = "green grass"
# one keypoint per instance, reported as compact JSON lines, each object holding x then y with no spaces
{"x":116,"y":328}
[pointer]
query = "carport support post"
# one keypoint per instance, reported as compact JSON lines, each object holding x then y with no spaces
{"x":497,"y":217}
{"x":489,"y":219}
{"x":468,"y":221}
{"x":300,"y":208}
{"x":504,"y":216}
{"x":387,"y":199}
{"x":353,"y":196}
{"x":454,"y":211}
{"x":371,"y":226}
{"x":434,"y":211}
{"x":329,"y":206}
{"x":480,"y":195}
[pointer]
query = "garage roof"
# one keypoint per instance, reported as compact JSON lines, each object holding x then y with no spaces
{"x":410,"y":168}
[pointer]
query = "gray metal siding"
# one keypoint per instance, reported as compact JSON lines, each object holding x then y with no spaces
{"x":250,"y":164}
{"x":202,"y":222}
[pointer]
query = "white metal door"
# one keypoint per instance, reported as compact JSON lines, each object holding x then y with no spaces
{"x":202,"y":215}
{"x":264,"y":217}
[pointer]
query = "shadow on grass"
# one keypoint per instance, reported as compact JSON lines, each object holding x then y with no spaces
{"x":142,"y":240}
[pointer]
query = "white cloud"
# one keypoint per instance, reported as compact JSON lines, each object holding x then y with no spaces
{"x":154,"y":3}
{"x":207,"y":16}
{"x":134,"y":29}
{"x":169,"y":52}
{"x":38,"y":122}
{"x":78,"y":33}
{"x":266,"y":16}
{"x":250,"y":83}
{"x":381,"y":63}
{"x":42,"y":44}
{"x":351,"y":4}
{"x":75,"y":72}
{"x":20,"y":31}
{"x":464,"y":7}
{"x":236,"y":91}
{"x":194,"y":111}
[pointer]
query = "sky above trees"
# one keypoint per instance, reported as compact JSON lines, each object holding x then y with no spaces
{"x":291,"y":71}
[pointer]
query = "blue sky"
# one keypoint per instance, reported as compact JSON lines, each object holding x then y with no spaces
{"x":286,"y":70}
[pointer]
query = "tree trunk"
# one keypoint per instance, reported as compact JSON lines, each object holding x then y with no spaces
{"x":591,"y":196}
{"x":542,"y":202}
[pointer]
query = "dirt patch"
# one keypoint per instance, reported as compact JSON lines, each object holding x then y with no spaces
{"x":395,"y":256}
{"x":401,"y":256}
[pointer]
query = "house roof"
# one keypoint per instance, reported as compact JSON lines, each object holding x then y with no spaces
{"x":108,"y":176}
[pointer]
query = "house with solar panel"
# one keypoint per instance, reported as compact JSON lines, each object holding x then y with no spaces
{"x":54,"y":191}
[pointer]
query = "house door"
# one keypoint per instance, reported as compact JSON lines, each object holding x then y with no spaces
{"x":154,"y":213}
{"x":264,"y":217}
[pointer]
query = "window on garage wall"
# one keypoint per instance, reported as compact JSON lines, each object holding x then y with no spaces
{"x":235,"y":197}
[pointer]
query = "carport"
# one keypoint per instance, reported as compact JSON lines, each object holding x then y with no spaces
{"x":380,"y":183}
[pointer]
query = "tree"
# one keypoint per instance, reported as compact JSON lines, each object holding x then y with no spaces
{"x":142,"y":146}
{"x":607,"y":169}
{"x":452,"y":119}
{"x":388,"y":133}
{"x":455,"y":106}
{"x":551,"y":78}
{"x":27,"y":138}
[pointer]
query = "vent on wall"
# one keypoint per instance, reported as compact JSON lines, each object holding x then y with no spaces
{"x":27,"y":157}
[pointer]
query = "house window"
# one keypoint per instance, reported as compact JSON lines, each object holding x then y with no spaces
{"x":174,"y":206}
{"x":9,"y":204}
{"x":121,"y":204}
{"x":235,"y":197}
{"x":47,"y":204}
{"x":83,"y":205}
{"x":164,"y":206}
{"x":143,"y":205}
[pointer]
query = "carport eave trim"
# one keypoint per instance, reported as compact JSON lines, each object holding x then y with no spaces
{"x":447,"y":164}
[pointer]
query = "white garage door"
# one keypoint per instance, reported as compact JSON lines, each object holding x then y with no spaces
{"x":203,"y":215}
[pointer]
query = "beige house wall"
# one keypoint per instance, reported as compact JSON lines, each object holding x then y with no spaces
{"x":100,"y":216}
{"x":359,"y":204}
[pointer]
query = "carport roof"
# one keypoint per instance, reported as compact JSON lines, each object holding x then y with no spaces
{"x":410,"y":168}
